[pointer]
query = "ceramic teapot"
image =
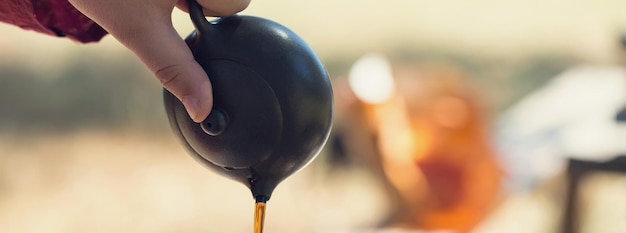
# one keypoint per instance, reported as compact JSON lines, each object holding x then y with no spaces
{"x":273,"y":103}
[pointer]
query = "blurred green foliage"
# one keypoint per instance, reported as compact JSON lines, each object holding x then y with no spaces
{"x":500,"y":82}
{"x":94,"y":92}
{"x":109,"y":92}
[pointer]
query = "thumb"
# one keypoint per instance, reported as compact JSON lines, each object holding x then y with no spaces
{"x":163,"y":51}
{"x":152,"y":37}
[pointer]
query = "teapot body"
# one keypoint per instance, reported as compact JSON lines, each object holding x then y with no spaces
{"x":275,"y":95}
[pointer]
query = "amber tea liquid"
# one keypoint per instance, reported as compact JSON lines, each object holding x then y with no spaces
{"x":259,"y":216}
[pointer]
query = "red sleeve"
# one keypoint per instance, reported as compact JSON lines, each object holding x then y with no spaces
{"x":52,"y":17}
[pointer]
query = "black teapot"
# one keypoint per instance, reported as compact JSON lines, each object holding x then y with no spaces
{"x":273,"y":103}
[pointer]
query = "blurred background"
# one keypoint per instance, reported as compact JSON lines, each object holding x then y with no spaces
{"x":478,"y":116}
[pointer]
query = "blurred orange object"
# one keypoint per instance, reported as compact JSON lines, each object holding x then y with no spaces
{"x":435,"y":151}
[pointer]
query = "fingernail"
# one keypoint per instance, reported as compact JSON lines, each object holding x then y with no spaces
{"x":191,"y":105}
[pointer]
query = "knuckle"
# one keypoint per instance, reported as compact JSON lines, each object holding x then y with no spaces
{"x":169,"y":74}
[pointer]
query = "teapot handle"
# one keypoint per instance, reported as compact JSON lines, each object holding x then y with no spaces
{"x":197,"y":17}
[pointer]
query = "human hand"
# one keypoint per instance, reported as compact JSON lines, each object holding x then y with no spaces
{"x":145,"y":27}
